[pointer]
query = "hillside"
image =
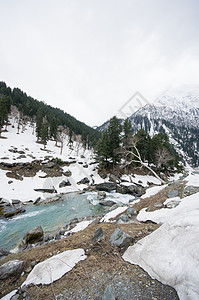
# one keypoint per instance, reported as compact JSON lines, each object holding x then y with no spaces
{"x":55,"y":117}
{"x":176,"y":113}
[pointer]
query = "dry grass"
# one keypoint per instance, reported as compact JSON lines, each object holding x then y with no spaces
{"x":102,"y":259}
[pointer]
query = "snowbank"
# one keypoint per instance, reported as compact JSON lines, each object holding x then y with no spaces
{"x":171,"y":253}
{"x":80,"y":226}
{"x":114,"y":213}
{"x":10,"y":295}
{"x":55,"y":267}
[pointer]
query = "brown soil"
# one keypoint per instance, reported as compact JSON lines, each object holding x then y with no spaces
{"x":104,"y":263}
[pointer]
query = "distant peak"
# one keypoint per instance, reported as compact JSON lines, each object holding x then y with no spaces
{"x":185,"y":96}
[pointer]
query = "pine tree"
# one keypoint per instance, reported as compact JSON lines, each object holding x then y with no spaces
{"x":114,"y":136}
{"x":44,"y":133}
{"x":39,"y":122}
{"x":5,"y":105}
{"x":127,"y":132}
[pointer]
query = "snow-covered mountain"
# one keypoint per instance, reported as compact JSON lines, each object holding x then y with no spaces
{"x":175,"y":112}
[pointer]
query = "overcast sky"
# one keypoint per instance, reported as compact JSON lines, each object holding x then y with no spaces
{"x":88,"y":57}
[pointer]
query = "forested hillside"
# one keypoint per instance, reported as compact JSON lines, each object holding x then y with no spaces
{"x":49,"y":120}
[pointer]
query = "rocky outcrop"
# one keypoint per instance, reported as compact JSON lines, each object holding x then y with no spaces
{"x":64,"y":184}
{"x":120,"y":239}
{"x":11,"y":268}
{"x":34,"y":235}
{"x":85,"y":180}
{"x":7,"y":210}
{"x":98,"y":236}
{"x":106,"y":186}
{"x":4,"y":252}
{"x":51,"y":191}
{"x":107,"y":203}
{"x":101,"y":195}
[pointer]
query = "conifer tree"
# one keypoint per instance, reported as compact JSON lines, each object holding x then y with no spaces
{"x":127,"y":132}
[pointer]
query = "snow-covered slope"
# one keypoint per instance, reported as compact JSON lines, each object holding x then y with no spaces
{"x":175,"y":112}
{"x":170,"y":254}
{"x":22,"y":148}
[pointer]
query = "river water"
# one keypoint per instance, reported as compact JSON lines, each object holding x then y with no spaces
{"x":49,"y":216}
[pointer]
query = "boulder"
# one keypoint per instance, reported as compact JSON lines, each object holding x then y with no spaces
{"x":113,"y":178}
{"x":136,"y":190}
{"x":172,"y":194}
{"x":85,"y":166}
{"x":172,"y":204}
{"x":124,"y":218}
{"x":131,"y":212}
{"x":106,"y":186}
{"x":50,"y":165}
{"x":36,"y":201}
{"x":107,"y":203}
{"x":10,"y":211}
{"x":34,"y":235}
{"x":122,"y":189}
{"x":11,"y":268}
{"x":4,"y":252}
{"x":68,"y":173}
{"x":51,"y":191}
{"x":64,"y":184}
{"x":85,"y":180}
{"x":120,"y":239}
{"x":15,"y":201}
{"x":98,"y":236}
{"x":101,"y":195}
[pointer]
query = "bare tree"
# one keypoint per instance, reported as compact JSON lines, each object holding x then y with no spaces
{"x":132,"y":155}
{"x":163,"y":157}
{"x":62,"y":134}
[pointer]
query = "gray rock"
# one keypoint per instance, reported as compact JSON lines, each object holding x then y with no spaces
{"x":122,"y":189}
{"x":108,"y":294}
{"x":64,"y":184}
{"x":15,"y":201}
{"x":98,"y":236}
{"x":85,"y":166}
{"x":136,"y":190}
{"x":74,"y":221}
{"x":4,"y":252}
{"x":49,"y":237}
{"x":85,"y":180}
{"x":68,"y":173}
{"x":124,"y":218}
{"x":50,"y":165}
{"x":37,"y":200}
{"x":107,"y":203}
{"x":51,"y":191}
{"x":13,"y":267}
{"x":172,"y":194}
{"x":34,"y":235}
{"x":106,"y":186}
{"x":10,"y":211}
{"x":131,"y":212}
{"x":120,"y":239}
{"x":113,"y":178}
{"x":172,"y":204}
{"x":101,"y":195}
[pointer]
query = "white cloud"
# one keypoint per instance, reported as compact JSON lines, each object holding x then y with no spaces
{"x":88,"y":57}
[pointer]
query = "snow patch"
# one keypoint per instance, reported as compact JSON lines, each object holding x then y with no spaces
{"x":171,"y":253}
{"x":55,"y":267}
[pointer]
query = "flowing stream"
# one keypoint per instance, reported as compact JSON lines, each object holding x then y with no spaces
{"x":49,"y":216}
